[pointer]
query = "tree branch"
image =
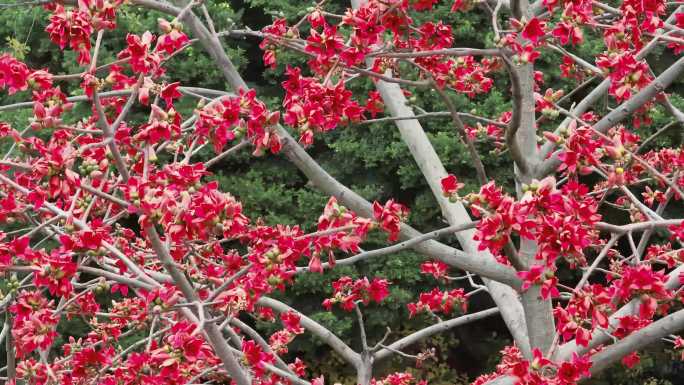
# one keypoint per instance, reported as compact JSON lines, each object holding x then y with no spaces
{"x":665,"y":326}
{"x":347,"y":353}
{"x":432,"y":330}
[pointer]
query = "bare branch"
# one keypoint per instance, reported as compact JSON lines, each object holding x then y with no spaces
{"x":665,"y":326}
{"x":397,"y":247}
{"x":433,"y":329}
{"x":317,"y":329}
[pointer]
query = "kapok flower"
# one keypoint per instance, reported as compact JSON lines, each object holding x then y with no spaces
{"x":347,"y":292}
{"x":437,"y":301}
{"x":450,"y":187}
{"x":390,"y":216}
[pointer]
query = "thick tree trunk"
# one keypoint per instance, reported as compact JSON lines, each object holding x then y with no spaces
{"x":364,"y":371}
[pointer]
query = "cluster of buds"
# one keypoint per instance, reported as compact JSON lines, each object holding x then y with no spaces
{"x":91,"y":168}
{"x":546,"y":103}
{"x":536,"y":185}
{"x":12,"y":284}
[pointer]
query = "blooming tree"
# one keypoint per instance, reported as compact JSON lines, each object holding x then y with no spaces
{"x":192,"y":263}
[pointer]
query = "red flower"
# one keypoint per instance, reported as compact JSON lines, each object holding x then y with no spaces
{"x":312,"y":107}
{"x":224,"y":120}
{"x":631,"y":360}
{"x":437,"y":301}
{"x":389,"y":217}
{"x":437,"y":269}
{"x":255,"y":357}
{"x":348,"y":292}
{"x":164,"y":125}
{"x":571,"y":372}
{"x":269,"y":43}
{"x":435,"y":36}
{"x":71,"y":27}
{"x":450,"y":186}
{"x":170,"y":92}
{"x":142,"y":58}
{"x":527,"y":54}
{"x":173,"y":38}
{"x":366,"y":24}
{"x":534,"y":30}
{"x":378,"y":290}
{"x":37,"y":331}
{"x":422,"y":5}
{"x":398,"y":378}
{"x":374,"y":104}
{"x":679,"y":345}
{"x":291,"y":320}
{"x":462,"y":5}
{"x":55,"y":273}
{"x":324,"y":44}
{"x":567,"y":32}
{"x":14,"y":74}
{"x":677,"y":231}
{"x":540,"y":275}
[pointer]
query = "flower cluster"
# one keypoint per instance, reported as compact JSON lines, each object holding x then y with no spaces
{"x":312,"y":107}
{"x":351,"y":232}
{"x":34,"y":324}
{"x":162,"y":126}
{"x":239,"y":116}
{"x":143,"y":58}
{"x":347,"y":292}
{"x":580,"y":148}
{"x":291,"y":320}
{"x":546,"y":103}
{"x":269,"y":44}
{"x":437,"y":301}
{"x":329,"y":52}
{"x":390,"y":216}
{"x":643,"y":283}
{"x":588,"y":309}
{"x":399,"y":378}
{"x":55,"y":272}
{"x":183,"y":215}
{"x":561,"y":221}
{"x":627,"y":74}
{"x":255,"y":357}
{"x":71,"y":27}
{"x":540,"y":370}
{"x":492,"y":132}
{"x":435,"y":268}
{"x":173,"y":38}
